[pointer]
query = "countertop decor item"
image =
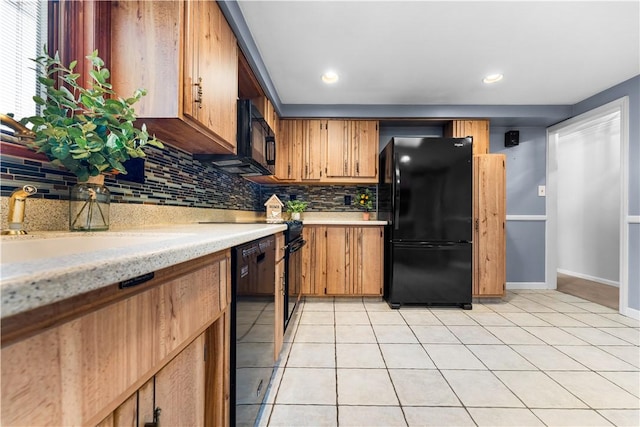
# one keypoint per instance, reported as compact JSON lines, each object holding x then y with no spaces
{"x":88,"y":131}
{"x":296,"y":207}
{"x":274,"y":209}
{"x":364,"y":200}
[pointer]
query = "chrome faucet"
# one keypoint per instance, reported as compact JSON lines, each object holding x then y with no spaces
{"x":17,"y":203}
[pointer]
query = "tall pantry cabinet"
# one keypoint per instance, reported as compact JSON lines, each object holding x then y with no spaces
{"x":489,"y":218}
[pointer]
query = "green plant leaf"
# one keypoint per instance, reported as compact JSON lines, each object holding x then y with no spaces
{"x":60,"y":151}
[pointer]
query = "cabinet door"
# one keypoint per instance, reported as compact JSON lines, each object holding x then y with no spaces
{"x":180,"y":387}
{"x":314,"y":143}
{"x":339,"y":242}
{"x":367,"y":260}
{"x":288,"y":153}
{"x":211,"y":69}
{"x":314,"y":273}
{"x":339,"y":151}
{"x":365,"y":148}
{"x":489,"y":238}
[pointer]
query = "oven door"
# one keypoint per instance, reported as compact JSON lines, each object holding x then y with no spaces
{"x":293,"y":277}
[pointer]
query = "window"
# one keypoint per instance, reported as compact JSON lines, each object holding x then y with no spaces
{"x":23,"y":33}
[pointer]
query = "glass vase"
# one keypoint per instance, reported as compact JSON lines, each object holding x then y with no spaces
{"x":89,"y":205}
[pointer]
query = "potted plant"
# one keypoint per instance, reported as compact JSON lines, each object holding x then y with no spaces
{"x":364,"y":201}
{"x":296,"y":207}
{"x":88,"y":131}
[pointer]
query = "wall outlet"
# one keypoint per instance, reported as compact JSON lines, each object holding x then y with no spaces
{"x":347,"y":200}
{"x":542,"y":190}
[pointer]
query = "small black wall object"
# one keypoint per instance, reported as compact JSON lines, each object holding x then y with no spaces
{"x":511,"y":138}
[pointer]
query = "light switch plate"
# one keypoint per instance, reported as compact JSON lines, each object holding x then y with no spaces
{"x":542,"y":190}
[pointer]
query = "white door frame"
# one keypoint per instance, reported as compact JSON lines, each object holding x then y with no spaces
{"x":551,"y":238}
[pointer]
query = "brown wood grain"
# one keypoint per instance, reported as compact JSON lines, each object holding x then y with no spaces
{"x":26,"y":324}
{"x":489,"y":240}
{"x":172,"y":45}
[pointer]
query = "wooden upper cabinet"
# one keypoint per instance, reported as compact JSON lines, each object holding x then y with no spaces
{"x":289,"y":149}
{"x":478,"y":129}
{"x":186,"y":57}
{"x":365,"y":148}
{"x":211,"y":69}
{"x":313,"y":147}
{"x":339,"y":151}
{"x":352,"y":150}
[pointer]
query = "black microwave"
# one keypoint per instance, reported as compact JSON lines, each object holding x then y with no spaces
{"x":256,"y":145}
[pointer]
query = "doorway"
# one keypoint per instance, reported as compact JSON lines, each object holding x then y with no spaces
{"x":586,"y":204}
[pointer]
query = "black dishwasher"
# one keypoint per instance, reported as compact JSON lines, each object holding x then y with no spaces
{"x":252,"y":327}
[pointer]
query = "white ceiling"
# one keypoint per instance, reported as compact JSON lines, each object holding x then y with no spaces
{"x":437,"y":52}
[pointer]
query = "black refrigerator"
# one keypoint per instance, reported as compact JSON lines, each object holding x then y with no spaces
{"x":425,"y":193}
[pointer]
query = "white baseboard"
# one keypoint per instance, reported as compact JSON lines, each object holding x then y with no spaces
{"x":631,"y":312}
{"x":592,"y":278}
{"x":527,"y":285}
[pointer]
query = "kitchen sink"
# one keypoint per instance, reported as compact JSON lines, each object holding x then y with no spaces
{"x":38,"y":246}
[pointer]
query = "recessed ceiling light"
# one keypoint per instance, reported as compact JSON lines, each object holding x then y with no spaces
{"x":330,"y":77}
{"x":492,"y":78}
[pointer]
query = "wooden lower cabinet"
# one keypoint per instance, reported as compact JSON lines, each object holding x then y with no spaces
{"x":279,"y":296}
{"x":314,"y":260}
{"x":166,"y":342}
{"x":339,"y":260}
{"x":489,"y":235}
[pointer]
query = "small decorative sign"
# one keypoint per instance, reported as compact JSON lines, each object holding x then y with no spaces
{"x":274,"y":209}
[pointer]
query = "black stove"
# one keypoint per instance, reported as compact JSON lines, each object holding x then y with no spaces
{"x":293,"y":232}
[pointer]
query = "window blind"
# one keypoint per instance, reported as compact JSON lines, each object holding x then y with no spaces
{"x":23,"y":33}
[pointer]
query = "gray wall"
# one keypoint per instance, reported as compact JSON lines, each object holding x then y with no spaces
{"x":526,"y":169}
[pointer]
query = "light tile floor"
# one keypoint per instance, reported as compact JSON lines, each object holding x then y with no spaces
{"x":535,"y":358}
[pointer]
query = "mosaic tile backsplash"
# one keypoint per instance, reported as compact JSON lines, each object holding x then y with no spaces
{"x":321,"y":198}
{"x":173,"y":178}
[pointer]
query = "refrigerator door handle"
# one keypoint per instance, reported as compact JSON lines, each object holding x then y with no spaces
{"x":396,"y":192}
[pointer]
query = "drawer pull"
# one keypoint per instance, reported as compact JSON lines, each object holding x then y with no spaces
{"x":135,"y":281}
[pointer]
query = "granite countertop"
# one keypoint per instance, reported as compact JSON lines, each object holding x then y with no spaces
{"x":59,"y":271}
{"x":356,"y":222}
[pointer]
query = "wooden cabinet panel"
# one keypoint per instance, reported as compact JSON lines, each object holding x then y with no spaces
{"x":338,"y":261}
{"x":368,"y":261}
{"x":365,"y":148}
{"x":185,"y":56}
{"x":289,"y":150}
{"x":211,"y":69}
{"x":339,"y":151}
{"x":478,"y":129}
{"x":314,"y":146}
{"x":489,"y":239}
{"x":180,"y":387}
{"x":314,"y":265}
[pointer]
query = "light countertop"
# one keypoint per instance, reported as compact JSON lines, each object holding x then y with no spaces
{"x":354,"y":222}
{"x":60,"y":270}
